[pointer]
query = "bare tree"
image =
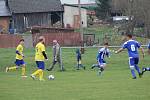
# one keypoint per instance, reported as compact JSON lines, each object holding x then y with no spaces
{"x":137,"y":10}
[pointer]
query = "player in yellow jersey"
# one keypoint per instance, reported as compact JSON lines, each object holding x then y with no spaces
{"x":40,"y":56}
{"x":19,"y":59}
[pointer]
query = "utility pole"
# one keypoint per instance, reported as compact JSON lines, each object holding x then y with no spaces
{"x":80,"y":26}
{"x":80,"y":19}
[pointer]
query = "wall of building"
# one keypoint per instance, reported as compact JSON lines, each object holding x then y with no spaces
{"x":9,"y":41}
{"x":64,"y":39}
{"x":70,"y":12}
{"x":4,"y":24}
{"x":23,"y":21}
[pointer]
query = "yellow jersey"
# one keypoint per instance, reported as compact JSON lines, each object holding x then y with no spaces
{"x":39,"y":49}
{"x":20,"y":50}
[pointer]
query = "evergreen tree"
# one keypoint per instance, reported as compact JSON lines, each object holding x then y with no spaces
{"x":103,"y":8}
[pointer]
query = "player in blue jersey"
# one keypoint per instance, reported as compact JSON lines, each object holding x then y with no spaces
{"x":102,"y":53}
{"x":132,"y":46}
{"x":79,"y":59}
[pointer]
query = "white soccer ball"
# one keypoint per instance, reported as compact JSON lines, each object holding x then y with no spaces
{"x":51,"y":77}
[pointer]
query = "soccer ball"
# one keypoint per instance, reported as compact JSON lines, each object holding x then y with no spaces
{"x":51,"y":77}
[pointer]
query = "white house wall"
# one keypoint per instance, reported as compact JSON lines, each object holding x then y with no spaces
{"x":69,"y":13}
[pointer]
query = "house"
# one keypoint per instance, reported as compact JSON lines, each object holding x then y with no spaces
{"x":28,"y":13}
{"x":4,"y":17}
{"x":91,"y":14}
{"x":72,"y":18}
{"x":90,"y":8}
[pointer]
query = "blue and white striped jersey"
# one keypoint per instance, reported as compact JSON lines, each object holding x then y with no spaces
{"x":102,"y":53}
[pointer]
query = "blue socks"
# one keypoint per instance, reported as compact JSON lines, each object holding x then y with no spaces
{"x":133,"y":73}
{"x":138,"y":69}
{"x":147,"y":69}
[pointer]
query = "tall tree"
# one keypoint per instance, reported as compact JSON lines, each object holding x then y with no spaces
{"x":103,"y":8}
{"x":138,"y":10}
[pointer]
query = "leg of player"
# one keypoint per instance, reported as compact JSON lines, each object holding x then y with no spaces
{"x":78,"y":67}
{"x":11,"y":68}
{"x":136,"y":61}
{"x":59,"y":60}
{"x":41,"y":75}
{"x":145,"y":69}
{"x":39,"y":72}
{"x":17,"y":62}
{"x":132,"y":66}
{"x":138,"y":70}
{"x":24,"y":71}
{"x":101,"y":69}
{"x":80,"y":64}
{"x":102,"y":65}
{"x":52,"y":66}
{"x":36,"y":73}
{"x":94,"y":65}
{"x":62,"y":67}
{"x":133,"y":72}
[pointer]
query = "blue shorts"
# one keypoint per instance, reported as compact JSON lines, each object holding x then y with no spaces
{"x":19,"y":62}
{"x":40,"y":65}
{"x":149,"y":46}
{"x":133,"y":61}
{"x":78,"y":58}
{"x":101,"y":62}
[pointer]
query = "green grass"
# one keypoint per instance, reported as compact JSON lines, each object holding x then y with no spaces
{"x":114,"y":84}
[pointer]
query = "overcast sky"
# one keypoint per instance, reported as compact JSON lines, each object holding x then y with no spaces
{"x":76,"y":1}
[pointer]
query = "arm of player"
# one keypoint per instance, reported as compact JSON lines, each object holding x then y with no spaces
{"x":44,"y":54}
{"x":142,"y":50}
{"x":108,"y":53}
{"x":122,"y":48}
{"x":119,"y":50}
{"x":17,"y":52}
{"x":56,"y":52}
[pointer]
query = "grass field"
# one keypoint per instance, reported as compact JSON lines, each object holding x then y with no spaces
{"x":114,"y":84}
